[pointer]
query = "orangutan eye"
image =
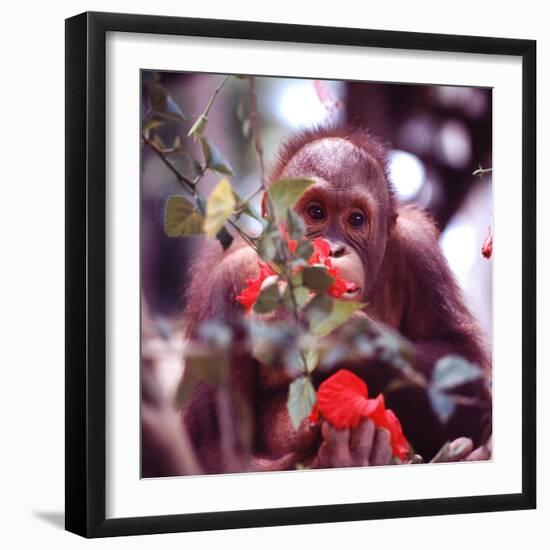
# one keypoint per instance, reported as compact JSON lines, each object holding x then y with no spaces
{"x":315,"y":212}
{"x":357,"y":219}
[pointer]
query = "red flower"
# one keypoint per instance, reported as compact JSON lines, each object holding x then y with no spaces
{"x":314,"y":415}
{"x":487,"y":248}
{"x":339,"y":286}
{"x":321,"y":252}
{"x":385,"y":418}
{"x":343,"y":400}
{"x":250,"y":294}
{"x":321,"y":255}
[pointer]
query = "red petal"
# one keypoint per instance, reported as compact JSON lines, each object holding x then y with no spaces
{"x":343,"y":399}
{"x":387,"y":419}
{"x":314,"y":415}
{"x":376,"y":406}
{"x":250,"y":294}
{"x":321,"y":252}
{"x":487,"y":248}
{"x":339,"y":286}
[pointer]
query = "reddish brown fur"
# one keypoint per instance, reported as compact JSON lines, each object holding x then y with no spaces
{"x":413,"y":291}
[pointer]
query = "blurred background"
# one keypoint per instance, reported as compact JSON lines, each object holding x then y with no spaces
{"x":438,"y":134}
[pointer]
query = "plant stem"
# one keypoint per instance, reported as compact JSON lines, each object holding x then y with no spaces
{"x":216,"y":92}
{"x":256,"y":131}
{"x":248,"y":239}
{"x":481,"y":171}
{"x":252,"y":195}
{"x":183,"y":180}
{"x":191,"y":186}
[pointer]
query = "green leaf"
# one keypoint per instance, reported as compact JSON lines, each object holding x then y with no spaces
{"x":197,"y":130}
{"x":301,"y":397}
{"x":163,"y":104}
{"x":335,"y":355}
{"x":297,"y":279}
{"x":268,"y":299}
{"x":452,"y":371}
{"x":282,"y":250}
{"x":319,"y":307}
{"x":296,"y":225}
{"x":207,"y":364}
{"x":292,"y":361}
{"x":304,"y":250}
{"x":201,"y":204}
{"x":340,"y":313}
{"x":158,"y":143}
{"x":286,"y":193}
{"x":442,"y":404}
{"x":312,"y":359}
{"x":241,"y":109}
{"x":316,"y":278}
{"x":215,"y":333}
{"x":245,"y":128}
{"x":214,"y":159}
{"x":301,"y":295}
{"x":266,"y":246}
{"x":389,"y":347}
{"x":157,"y":96}
{"x":173,"y":111}
{"x":185,"y":389}
{"x":270,"y":341}
{"x":181,"y":218}
{"x":151,"y":123}
{"x":220,"y":205}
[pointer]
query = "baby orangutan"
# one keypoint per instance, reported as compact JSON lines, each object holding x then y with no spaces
{"x":390,"y":254}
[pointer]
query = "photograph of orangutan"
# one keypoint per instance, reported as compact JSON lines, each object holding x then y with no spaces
{"x":316,"y":274}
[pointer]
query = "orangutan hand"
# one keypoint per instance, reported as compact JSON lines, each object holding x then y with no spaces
{"x":365,"y":445}
{"x":462,"y":449}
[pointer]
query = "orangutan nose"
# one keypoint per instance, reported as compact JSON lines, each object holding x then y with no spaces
{"x":337,"y":250}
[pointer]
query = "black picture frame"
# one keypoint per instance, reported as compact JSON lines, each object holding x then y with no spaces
{"x":86,"y":273}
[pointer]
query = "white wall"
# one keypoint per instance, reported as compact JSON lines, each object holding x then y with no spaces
{"x":32,"y":274}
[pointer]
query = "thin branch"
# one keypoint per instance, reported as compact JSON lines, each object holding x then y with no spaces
{"x":191,"y":185}
{"x":252,"y":195}
{"x":216,"y":92}
{"x":256,"y":131}
{"x":481,"y":171}
{"x":245,"y":236}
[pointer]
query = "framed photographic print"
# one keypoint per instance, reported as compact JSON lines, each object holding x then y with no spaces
{"x":300,"y":274}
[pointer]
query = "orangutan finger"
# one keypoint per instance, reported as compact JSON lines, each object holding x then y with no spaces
{"x":381,"y":450}
{"x":361,"y":441}
{"x":460,"y":448}
{"x":336,"y":444}
{"x":307,"y":436}
{"x":481,"y":453}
